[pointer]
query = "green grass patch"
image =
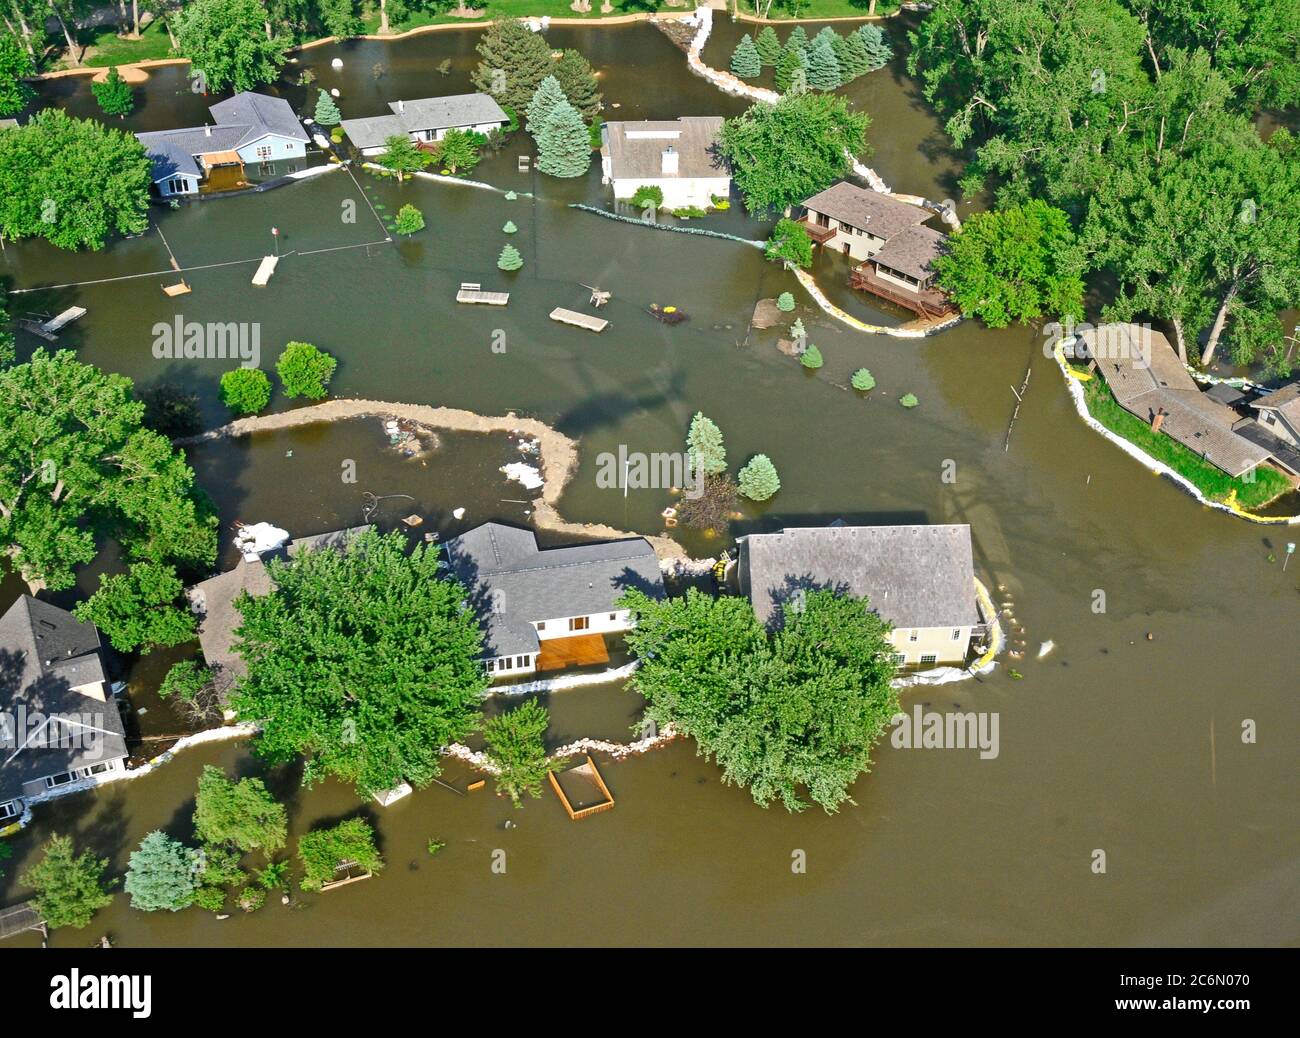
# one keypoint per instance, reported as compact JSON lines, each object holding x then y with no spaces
{"x":107,"y":48}
{"x":1212,"y":481}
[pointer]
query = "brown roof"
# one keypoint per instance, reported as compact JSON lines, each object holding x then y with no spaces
{"x":912,"y":251}
{"x":871,"y":211}
{"x":635,"y":149}
{"x":1147,"y":378}
{"x":1285,"y":400}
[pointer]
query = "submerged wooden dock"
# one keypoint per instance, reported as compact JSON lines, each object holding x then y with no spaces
{"x":265,"y":269}
{"x":49,"y":329}
{"x":472,"y":292}
{"x":592,"y":324}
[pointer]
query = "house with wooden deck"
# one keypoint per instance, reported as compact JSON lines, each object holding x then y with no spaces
{"x":426,"y":120}
{"x":678,"y":156}
{"x":920,"y":579}
{"x":247,"y":128}
{"x":545,"y":610}
{"x":59,"y":722}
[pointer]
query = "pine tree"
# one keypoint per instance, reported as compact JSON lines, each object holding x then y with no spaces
{"x":790,"y":60}
{"x":823,"y":70}
{"x":563,"y":143}
{"x":113,"y":95}
{"x":826,"y":36}
{"x":509,"y":227}
{"x":811,"y":358}
{"x":798,"y":39}
{"x":514,"y":61}
{"x":545,"y":98}
{"x":840,"y":48}
{"x":854,"y":60}
{"x":745,"y":61}
{"x":162,"y":874}
{"x":863,"y":380}
{"x":758,"y":480}
{"x":327,"y":112}
{"x":785,"y":302}
{"x":509,"y":259}
{"x":769,"y":47}
{"x":878,"y":50}
{"x":704,"y":446}
{"x":578,"y":81}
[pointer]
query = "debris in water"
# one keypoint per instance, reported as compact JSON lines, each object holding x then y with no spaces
{"x":458,"y":513}
{"x":1045,"y":648}
{"x":528,"y":475}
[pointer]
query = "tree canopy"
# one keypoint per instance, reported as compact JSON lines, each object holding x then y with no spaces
{"x":514,"y":60}
{"x":238,"y":814}
{"x":139,"y":609}
{"x":162,"y":874}
{"x":515,"y":745}
{"x":226,"y":40}
{"x":69,"y":887}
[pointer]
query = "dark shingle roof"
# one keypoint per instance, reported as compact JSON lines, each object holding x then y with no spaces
{"x":912,"y":251}
{"x":636,"y":149}
{"x":45,"y":654}
{"x":912,"y":576}
{"x":867,"y":210}
{"x":512,"y":583}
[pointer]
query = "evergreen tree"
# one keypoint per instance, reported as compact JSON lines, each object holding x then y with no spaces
{"x":798,"y":39}
{"x":546,"y":98}
{"x":785,"y":302}
{"x":840,"y":48}
{"x":509,"y":227}
{"x":327,"y":112}
{"x":514,"y":61}
{"x":877,"y":45}
{"x":114,"y":94}
{"x":854,"y":60}
{"x":745,"y":61}
{"x":811,"y":358}
{"x":704,"y":446}
{"x":790,"y":61}
{"x":163,"y":873}
{"x":823,"y":70}
{"x":578,"y":81}
{"x":509,"y":259}
{"x":409,"y":220}
{"x":826,"y":36}
{"x":563,"y":143}
{"x":769,"y":47}
{"x":863,"y":380}
{"x":758,"y":480}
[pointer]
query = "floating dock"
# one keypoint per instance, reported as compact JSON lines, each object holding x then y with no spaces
{"x":592,"y":324}
{"x":472,"y":292}
{"x":179,"y":289}
{"x":264,"y":270}
{"x":49,"y":329}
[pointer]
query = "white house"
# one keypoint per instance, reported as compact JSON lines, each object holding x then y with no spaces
{"x":58,"y":722}
{"x":679,"y":157}
{"x":426,"y":120}
{"x":248,"y":127}
{"x":920,"y":579}
{"x":545,"y":610}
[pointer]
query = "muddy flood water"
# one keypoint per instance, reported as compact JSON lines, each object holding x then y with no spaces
{"x":1125,"y":738}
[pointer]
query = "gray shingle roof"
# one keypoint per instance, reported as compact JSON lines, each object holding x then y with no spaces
{"x":635,"y":149}
{"x":45,"y":652}
{"x":912,"y":251}
{"x":425,"y":113}
{"x":912,"y":576}
{"x":262,"y":113}
{"x":513,"y":583}
{"x":867,"y":210}
{"x":1285,"y":400}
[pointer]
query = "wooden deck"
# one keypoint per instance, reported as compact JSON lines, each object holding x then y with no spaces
{"x":578,"y":651}
{"x":20,"y":919}
{"x":929,"y":302}
{"x":472,"y":292}
{"x":587,"y":793}
{"x":820,"y":235}
{"x":592,"y":324}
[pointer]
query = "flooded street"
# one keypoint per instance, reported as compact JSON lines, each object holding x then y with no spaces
{"x":1126,"y":737}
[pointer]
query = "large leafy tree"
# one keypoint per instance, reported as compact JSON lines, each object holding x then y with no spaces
{"x":76,"y":464}
{"x":238,"y":814}
{"x":71,"y":181}
{"x":364,"y":660}
{"x":513,"y":62}
{"x":402,"y":156}
{"x":1014,"y":264}
{"x":785,"y":713}
{"x":69,"y":887}
{"x":515,"y":745}
{"x":139,"y":609}
{"x":226,"y":41}
{"x":781,"y":154}
{"x":15,"y":64}
{"x":322,"y":851}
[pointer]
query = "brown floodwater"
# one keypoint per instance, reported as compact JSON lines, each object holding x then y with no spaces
{"x":1115,"y":741}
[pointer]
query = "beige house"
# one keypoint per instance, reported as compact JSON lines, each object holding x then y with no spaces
{"x":856,"y":221}
{"x":677,"y":156}
{"x":920,"y":579}
{"x":1279,"y":412}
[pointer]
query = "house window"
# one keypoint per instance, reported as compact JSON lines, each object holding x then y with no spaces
{"x":929,"y":661}
{"x":9,"y":809}
{"x":54,"y":781}
{"x":899,"y":659}
{"x":521,"y":662}
{"x":506,"y":663}
{"x":264,"y":152}
{"x":956,"y":634}
{"x":99,"y":769}
{"x":579,"y":623}
{"x":490,"y":665}
{"x":613,"y":616}
{"x":912,"y":636}
{"x":541,"y":625}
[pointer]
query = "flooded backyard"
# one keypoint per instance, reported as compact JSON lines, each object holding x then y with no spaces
{"x":1125,"y":738}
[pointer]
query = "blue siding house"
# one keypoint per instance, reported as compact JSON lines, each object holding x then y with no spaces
{"x":247,"y":128}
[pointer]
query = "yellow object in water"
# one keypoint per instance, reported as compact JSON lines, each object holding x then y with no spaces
{"x":670,"y":309}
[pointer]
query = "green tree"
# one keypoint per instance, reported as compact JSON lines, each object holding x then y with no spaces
{"x":238,"y":814}
{"x":341,"y":18}
{"x":324,"y":850}
{"x":785,"y":302}
{"x":783,"y":153}
{"x":364,"y":660}
{"x":16,"y":65}
{"x":790,"y":62}
{"x":459,"y":150}
{"x":798,"y":39}
{"x":509,"y":227}
{"x":782,"y":713}
{"x":1014,"y":264}
{"x":409,"y":220}
{"x":863,"y":380}
{"x":510,"y":259}
{"x":563,"y":144}
{"x":790,"y":243}
{"x":854,"y":57}
{"x":578,"y":82}
{"x":513,"y":61}
{"x":305,"y":370}
{"x":648,"y":196}
{"x":704,"y":446}
{"x":402,"y":156}
{"x":823,"y":68}
{"x":745,"y":60}
{"x":170,"y":410}
{"x":162,"y":874}
{"x":758,"y":479}
{"x":76,"y":466}
{"x":138,"y":609}
{"x":69,"y":887}
{"x":246,"y":390}
{"x":515,"y":746}
{"x":8,"y":351}
{"x":193,"y":688}
{"x":327,"y":112}
{"x":71,"y":181}
{"x":228,"y":44}
{"x":811,"y":357}
{"x":546,"y":98}
{"x":113,"y":94}
{"x":768,"y":46}
{"x":875,"y":46}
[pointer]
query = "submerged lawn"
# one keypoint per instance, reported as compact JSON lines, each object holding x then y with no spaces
{"x":1213,"y":482}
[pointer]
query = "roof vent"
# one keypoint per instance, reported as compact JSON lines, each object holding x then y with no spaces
{"x":669,"y":162}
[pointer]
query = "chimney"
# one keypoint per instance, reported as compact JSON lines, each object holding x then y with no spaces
{"x":1158,"y":420}
{"x":401,"y":107}
{"x":207,"y":130}
{"x":669,"y":163}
